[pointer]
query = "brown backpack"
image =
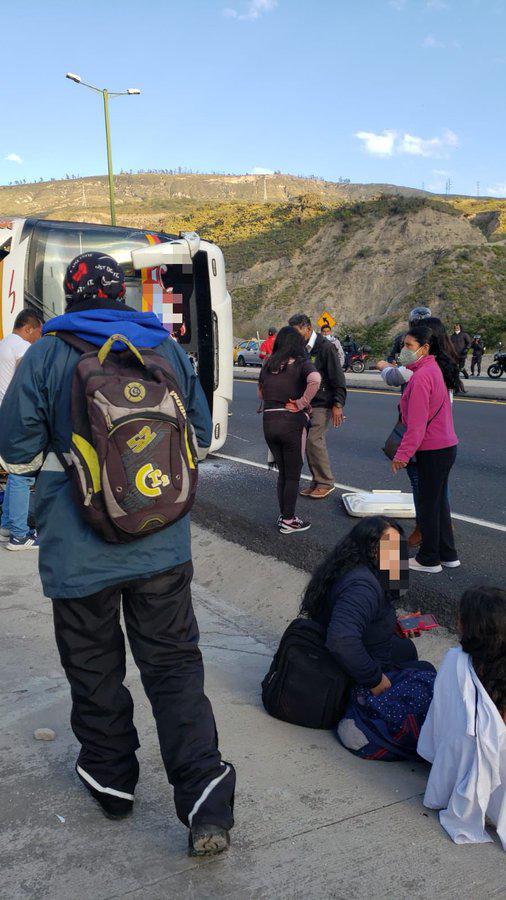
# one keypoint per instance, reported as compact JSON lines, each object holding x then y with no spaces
{"x":133,"y":451}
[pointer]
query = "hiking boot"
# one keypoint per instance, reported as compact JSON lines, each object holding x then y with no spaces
{"x":28,"y":542}
{"x":322,"y":491}
{"x":207,"y":840}
{"x":415,"y":538}
{"x":292,"y":527}
{"x":112,"y":807}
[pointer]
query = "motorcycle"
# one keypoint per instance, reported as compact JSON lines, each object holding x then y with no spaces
{"x":355,"y":362}
{"x":499,"y":364}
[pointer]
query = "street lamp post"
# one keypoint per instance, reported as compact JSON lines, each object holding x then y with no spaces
{"x":105,"y":95}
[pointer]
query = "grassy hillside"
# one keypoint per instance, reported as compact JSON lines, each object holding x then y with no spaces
{"x":366,"y":252}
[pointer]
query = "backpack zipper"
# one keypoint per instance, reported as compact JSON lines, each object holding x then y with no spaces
{"x":135,"y":416}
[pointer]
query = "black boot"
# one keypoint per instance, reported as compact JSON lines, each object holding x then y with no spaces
{"x":112,"y":807}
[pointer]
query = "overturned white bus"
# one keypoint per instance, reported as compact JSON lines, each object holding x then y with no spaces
{"x":179,"y":278}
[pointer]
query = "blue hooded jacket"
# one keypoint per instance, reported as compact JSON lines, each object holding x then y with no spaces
{"x":35,"y":419}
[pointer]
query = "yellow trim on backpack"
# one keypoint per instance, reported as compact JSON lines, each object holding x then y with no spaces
{"x":105,"y":349}
{"x":89,"y":454}
{"x":188,"y":449}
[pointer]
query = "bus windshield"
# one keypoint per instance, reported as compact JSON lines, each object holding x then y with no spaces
{"x":54,"y":244}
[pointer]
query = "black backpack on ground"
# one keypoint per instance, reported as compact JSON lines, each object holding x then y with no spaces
{"x":305,"y":685}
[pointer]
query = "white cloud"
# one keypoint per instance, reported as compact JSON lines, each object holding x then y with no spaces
{"x":378,"y":144}
{"x":498,"y":189}
{"x":252,"y":10}
{"x":13,"y":157}
{"x":259,"y":170}
{"x":391,"y":143}
{"x":436,"y":146}
{"x":431,"y":43}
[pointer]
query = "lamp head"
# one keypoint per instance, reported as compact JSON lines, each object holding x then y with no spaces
{"x":73,"y":77}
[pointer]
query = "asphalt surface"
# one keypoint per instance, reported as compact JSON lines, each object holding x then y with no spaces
{"x":237,"y":500}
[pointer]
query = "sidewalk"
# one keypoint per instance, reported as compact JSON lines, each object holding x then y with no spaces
{"x":312,"y":821}
{"x":483,"y":387}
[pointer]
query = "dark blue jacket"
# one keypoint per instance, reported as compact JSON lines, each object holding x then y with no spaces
{"x":35,"y":418}
{"x":360,"y":625}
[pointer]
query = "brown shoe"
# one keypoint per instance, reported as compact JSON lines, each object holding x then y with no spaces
{"x":306,"y":492}
{"x":318,"y":493}
{"x":415,"y":538}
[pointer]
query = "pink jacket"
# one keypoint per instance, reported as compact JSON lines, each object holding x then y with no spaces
{"x":426,"y":397}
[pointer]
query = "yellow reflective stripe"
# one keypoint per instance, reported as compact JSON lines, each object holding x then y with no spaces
{"x":188,"y":449}
{"x":104,"y":351}
{"x":89,"y":454}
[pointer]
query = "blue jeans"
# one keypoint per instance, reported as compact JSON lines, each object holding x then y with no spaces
{"x":15,"y":505}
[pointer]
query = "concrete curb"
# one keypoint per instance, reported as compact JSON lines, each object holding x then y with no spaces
{"x":485,"y":390}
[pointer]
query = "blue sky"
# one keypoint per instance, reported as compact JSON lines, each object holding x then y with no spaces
{"x":403,"y":91}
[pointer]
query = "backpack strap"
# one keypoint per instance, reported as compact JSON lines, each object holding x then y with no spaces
{"x":73,"y":341}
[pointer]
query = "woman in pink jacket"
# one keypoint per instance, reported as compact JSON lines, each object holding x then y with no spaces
{"x":426,"y":412}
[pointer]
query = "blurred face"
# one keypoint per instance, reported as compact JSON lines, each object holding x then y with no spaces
{"x":305,"y":330}
{"x":456,"y":328}
{"x":326,"y":330}
{"x":390,"y":555}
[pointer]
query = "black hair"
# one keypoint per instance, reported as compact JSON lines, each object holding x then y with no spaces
{"x":325,"y":326}
{"x":28,"y":317}
{"x":360,"y":547}
{"x":272,"y":332}
{"x":482,"y":617}
{"x":298,"y":320}
{"x":435,"y":337}
{"x":289,"y":344}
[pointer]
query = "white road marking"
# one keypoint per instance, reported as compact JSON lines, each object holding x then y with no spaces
{"x":237,"y":438}
{"x":496,"y":526}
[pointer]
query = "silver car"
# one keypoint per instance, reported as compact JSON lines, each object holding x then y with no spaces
{"x":248,"y":354}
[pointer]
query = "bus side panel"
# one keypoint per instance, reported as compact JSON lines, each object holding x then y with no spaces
{"x":223,"y":344}
{"x":12,"y":279}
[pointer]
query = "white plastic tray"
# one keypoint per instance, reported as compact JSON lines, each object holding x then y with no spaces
{"x":380,"y":503}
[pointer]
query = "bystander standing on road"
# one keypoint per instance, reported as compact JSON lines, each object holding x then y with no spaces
{"x":327,"y":406}
{"x":287,"y":384}
{"x":327,"y":333}
{"x":461,"y":343}
{"x":266,"y":346}
{"x":90,"y":579}
{"x":478,"y":349}
{"x":15,"y":533}
{"x":426,"y":412}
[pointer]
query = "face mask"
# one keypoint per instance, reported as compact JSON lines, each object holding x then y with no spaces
{"x":407,"y":357}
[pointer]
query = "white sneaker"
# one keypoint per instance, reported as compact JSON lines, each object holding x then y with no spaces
{"x":429,"y":570}
{"x":452,"y":564}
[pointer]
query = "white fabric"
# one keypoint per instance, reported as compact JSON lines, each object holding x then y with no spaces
{"x":311,"y":341}
{"x":338,"y":346}
{"x":12,"y":349}
{"x":464,"y":737}
{"x":103,"y":790}
{"x":406,"y":373}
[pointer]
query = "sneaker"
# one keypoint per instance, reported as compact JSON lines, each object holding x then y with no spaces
{"x":451,"y":564}
{"x":429,"y":570}
{"x":292,"y":527}
{"x":280,"y":519}
{"x":112,"y":807}
{"x":29,"y":542}
{"x":207,"y":840}
{"x":5,"y":535}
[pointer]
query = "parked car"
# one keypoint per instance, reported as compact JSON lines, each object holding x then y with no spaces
{"x":247,"y":353}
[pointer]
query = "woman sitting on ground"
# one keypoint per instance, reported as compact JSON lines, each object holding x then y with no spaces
{"x":352,"y":594}
{"x":287,"y":384}
{"x":464,"y":734}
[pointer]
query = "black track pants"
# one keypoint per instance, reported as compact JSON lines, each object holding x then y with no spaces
{"x":284,"y":433}
{"x":163,"y":635}
{"x":434,"y":517}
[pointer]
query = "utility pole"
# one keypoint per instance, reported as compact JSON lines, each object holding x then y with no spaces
{"x":448,"y":186}
{"x":477,"y":188}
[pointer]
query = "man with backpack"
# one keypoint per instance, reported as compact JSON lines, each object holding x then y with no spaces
{"x":121,"y":424}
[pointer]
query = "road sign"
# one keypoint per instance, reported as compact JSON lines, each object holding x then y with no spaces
{"x":326,"y":319}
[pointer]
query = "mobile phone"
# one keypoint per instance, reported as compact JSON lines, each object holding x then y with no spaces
{"x":415,"y":623}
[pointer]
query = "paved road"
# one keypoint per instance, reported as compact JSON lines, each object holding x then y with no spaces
{"x":237,"y":499}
